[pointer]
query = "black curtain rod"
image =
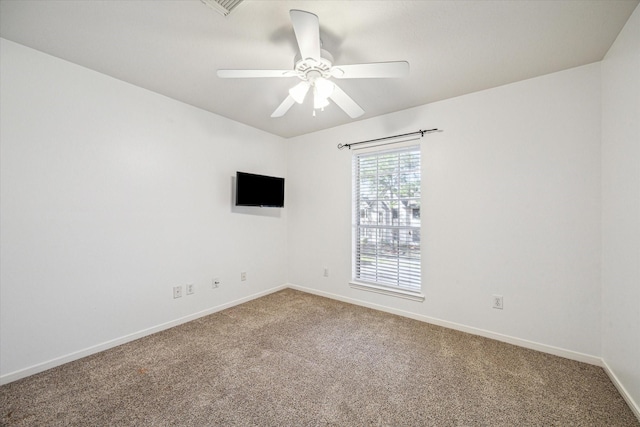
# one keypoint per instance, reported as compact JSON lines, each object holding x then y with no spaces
{"x":421,"y":132}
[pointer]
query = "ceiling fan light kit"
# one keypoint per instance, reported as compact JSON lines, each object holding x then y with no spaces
{"x":299,"y":91}
{"x":314,"y":67}
{"x":319,"y":102}
{"x":323,"y":87}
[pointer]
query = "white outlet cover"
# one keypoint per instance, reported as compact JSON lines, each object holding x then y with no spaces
{"x":497,"y":302}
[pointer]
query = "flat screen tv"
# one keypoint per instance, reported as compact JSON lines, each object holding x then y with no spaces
{"x":259,"y":190}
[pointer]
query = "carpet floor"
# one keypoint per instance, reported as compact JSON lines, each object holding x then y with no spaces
{"x":296,"y":359}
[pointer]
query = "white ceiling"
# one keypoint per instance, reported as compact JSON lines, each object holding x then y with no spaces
{"x":454,"y":47}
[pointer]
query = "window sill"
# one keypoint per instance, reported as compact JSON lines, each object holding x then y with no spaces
{"x":400,"y":293}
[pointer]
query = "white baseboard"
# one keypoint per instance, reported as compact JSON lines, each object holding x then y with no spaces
{"x":41,"y":367}
{"x":568,"y":354}
{"x":635,"y":408}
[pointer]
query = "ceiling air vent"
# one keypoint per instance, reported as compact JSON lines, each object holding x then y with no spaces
{"x":223,"y":6}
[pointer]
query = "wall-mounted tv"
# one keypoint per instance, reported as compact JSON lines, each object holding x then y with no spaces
{"x":259,"y":190}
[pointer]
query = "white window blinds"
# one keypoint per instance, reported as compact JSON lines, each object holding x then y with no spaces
{"x":387,"y":218}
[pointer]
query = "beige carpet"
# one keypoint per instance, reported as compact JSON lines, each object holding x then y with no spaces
{"x":296,"y":359}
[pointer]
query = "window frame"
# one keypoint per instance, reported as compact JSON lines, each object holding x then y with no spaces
{"x":412,"y":291}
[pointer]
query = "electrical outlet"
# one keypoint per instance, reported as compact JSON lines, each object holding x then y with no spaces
{"x":177,"y":291}
{"x":497,"y":302}
{"x":243,"y":276}
{"x":326,"y":272}
{"x":190,"y":287}
{"x":215,"y":283}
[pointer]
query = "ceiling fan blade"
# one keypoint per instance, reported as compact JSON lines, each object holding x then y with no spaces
{"x":345,"y":102}
{"x":284,"y":107}
{"x":306,"y":25}
{"x":371,"y":71}
{"x":241,"y":74}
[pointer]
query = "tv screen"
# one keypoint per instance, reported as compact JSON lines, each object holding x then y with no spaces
{"x":259,"y":190}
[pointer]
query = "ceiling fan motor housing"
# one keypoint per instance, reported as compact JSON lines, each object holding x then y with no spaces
{"x":310,"y":69}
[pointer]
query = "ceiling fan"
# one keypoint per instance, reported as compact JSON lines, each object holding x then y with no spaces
{"x":314,"y":67}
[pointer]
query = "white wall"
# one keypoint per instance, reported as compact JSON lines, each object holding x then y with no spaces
{"x":111,"y":195}
{"x":621,"y":208}
{"x":511,"y":206}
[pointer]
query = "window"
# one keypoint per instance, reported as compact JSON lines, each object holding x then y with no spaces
{"x":387,"y":220}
